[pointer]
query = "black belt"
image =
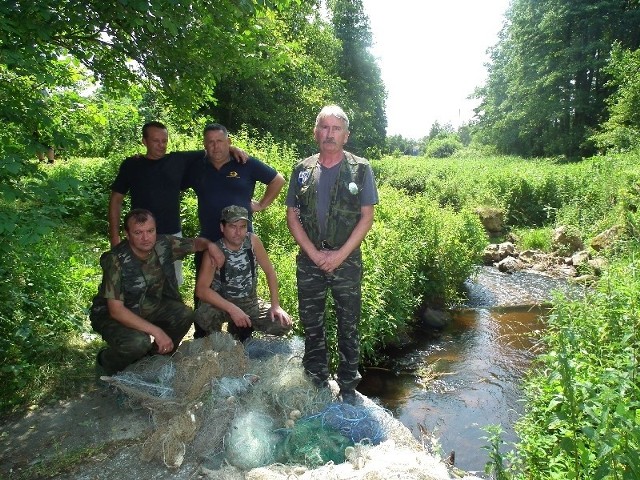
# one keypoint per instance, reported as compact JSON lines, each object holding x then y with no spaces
{"x":325,"y":246}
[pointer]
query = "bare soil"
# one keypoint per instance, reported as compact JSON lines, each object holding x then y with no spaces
{"x":90,"y":437}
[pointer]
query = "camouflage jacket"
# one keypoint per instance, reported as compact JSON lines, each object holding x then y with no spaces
{"x":134,"y":284}
{"x":344,"y":204}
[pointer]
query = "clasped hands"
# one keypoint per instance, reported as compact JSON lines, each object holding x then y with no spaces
{"x":328,"y":260}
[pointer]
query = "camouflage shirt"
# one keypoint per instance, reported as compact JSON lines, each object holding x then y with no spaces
{"x":237,"y":278}
{"x":141,"y":284}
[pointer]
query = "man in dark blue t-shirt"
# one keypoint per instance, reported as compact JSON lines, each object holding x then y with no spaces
{"x":219,"y":182}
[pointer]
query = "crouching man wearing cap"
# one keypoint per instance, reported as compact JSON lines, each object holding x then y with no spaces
{"x":228,"y":294}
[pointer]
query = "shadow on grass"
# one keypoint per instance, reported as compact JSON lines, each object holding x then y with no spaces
{"x":65,"y":371}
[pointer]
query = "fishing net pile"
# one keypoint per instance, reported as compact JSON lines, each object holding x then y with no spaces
{"x":249,"y":411}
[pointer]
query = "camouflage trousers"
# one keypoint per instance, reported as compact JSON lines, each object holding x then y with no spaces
{"x":210,"y":319}
{"x":126,"y":345}
{"x":345,"y":287}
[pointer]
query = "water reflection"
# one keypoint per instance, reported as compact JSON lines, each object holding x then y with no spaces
{"x":475,"y":366}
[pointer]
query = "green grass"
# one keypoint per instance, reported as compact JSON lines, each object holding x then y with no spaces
{"x":533,"y":238}
{"x":591,"y":195}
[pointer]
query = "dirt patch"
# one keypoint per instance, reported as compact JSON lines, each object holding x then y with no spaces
{"x":91,"y":437}
{"x":94,"y":423}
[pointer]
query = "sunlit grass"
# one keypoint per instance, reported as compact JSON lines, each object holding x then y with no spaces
{"x":534,"y":238}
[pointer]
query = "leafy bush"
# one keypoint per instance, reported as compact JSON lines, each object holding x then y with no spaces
{"x":443,"y":147}
{"x":44,"y":299}
{"x":87,"y":204}
{"x":583,"y":398}
{"x":106,"y":126}
{"x":534,"y":238}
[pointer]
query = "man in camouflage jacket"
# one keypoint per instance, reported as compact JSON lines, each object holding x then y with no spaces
{"x":330,"y":206}
{"x":138,"y":309}
{"x":229,"y":294}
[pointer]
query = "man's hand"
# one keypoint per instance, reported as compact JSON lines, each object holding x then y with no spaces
{"x":238,"y":316}
{"x":256,"y":206}
{"x":327,"y":260}
{"x":215,"y":255}
{"x":163,"y":342}
{"x":238,"y":154}
{"x":278,"y":314}
{"x":331,"y":259}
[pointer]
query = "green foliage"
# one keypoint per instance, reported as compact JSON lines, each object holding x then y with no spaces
{"x":546,"y":89}
{"x":45,"y":289}
{"x":87,"y":205}
{"x":621,"y":131}
{"x":107,"y":126}
{"x":163,"y":40}
{"x":365,"y":92}
{"x":306,"y":76}
{"x":443,"y":147}
{"x":583,"y":397}
{"x":416,"y":253}
{"x":85,"y":96}
{"x":533,"y":238}
{"x":438,"y":130}
{"x":593,"y":194}
{"x":397,"y":145}
{"x":495,"y":467}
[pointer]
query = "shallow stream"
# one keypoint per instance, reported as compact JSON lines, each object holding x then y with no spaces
{"x":473,"y":368}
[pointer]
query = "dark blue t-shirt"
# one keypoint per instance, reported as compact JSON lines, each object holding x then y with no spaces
{"x":156,"y":184}
{"x":233,"y":184}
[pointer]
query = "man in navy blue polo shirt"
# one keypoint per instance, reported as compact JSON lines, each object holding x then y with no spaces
{"x":219,"y":182}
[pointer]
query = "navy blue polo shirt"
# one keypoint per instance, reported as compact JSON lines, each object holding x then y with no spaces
{"x":233,"y":184}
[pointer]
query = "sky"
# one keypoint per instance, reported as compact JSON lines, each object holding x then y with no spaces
{"x":432,"y":55}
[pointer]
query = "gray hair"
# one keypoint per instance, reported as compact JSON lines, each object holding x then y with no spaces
{"x":333,"y":111}
{"x":216,"y":127}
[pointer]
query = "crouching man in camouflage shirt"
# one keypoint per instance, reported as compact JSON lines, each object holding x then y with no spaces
{"x":138,"y":309}
{"x":229,"y":294}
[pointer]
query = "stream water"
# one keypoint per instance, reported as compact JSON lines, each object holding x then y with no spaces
{"x":473,"y":368}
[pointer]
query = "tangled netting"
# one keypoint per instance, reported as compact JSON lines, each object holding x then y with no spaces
{"x":243,"y":408}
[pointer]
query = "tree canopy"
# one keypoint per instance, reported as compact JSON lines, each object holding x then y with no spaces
{"x":366,"y":95}
{"x":547,"y":86}
{"x":174,"y":47}
{"x":621,"y":131}
{"x":267,"y":64}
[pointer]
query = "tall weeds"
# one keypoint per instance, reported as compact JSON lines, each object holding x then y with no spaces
{"x":582,"y":418}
